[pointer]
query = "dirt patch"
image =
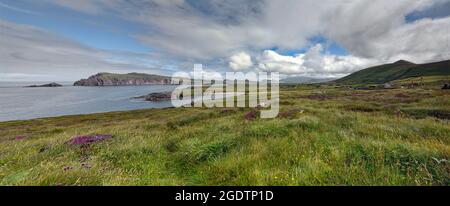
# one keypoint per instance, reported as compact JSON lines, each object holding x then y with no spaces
{"x":228,"y":111}
{"x":86,"y":140}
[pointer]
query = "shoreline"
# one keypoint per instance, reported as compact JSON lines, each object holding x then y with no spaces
{"x":107,"y":112}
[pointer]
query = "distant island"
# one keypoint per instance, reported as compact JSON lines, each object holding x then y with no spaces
{"x":156,"y":97}
{"x":131,"y":79}
{"x":53,"y":84}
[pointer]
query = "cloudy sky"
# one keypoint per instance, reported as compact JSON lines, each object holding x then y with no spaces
{"x":65,"y":40}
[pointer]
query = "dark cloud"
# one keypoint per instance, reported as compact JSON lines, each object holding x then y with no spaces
{"x":440,"y":9}
{"x":228,"y":12}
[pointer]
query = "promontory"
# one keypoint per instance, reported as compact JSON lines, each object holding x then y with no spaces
{"x":131,"y":79}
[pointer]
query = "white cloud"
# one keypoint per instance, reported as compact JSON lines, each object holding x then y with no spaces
{"x":30,"y":50}
{"x":378,"y":30}
{"x":240,"y":61}
{"x":203,"y":31}
{"x":421,"y":41}
{"x":312,"y":63}
{"x":208,"y":29}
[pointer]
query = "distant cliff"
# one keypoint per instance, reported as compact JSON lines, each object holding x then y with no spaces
{"x":131,"y":79}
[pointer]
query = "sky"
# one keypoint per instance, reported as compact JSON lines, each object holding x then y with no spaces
{"x":66,"y":40}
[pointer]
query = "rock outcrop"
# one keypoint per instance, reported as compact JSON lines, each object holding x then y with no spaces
{"x":53,"y":84}
{"x":446,"y":86}
{"x":157,"y":97}
{"x":131,"y":79}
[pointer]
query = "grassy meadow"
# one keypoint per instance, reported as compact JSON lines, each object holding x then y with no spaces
{"x":324,"y":135}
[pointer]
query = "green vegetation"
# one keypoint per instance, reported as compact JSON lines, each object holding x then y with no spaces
{"x":110,"y":79}
{"x":325,"y":136}
{"x":399,"y":70}
{"x":434,"y":80}
{"x":131,"y":76}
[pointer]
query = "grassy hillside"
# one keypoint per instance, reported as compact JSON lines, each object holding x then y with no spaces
{"x":109,"y":79}
{"x":396,"y":71}
{"x":324,"y":136}
{"x":132,"y":76}
{"x":431,"y":80}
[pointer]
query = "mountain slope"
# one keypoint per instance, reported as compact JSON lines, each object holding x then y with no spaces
{"x":131,"y":79}
{"x":398,"y":70}
{"x":305,"y":80}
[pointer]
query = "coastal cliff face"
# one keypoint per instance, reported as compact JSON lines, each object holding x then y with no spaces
{"x":131,"y":79}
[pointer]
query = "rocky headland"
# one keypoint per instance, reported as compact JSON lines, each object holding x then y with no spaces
{"x":131,"y":79}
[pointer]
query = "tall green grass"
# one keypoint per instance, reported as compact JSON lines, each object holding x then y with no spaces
{"x":348,"y":138}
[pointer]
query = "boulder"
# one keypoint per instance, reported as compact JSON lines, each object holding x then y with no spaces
{"x":387,"y":86}
{"x":446,"y":86}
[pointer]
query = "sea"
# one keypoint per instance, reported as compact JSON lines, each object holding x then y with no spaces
{"x":18,"y":102}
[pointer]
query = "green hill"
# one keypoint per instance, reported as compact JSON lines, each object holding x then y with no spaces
{"x":110,"y":79}
{"x":395,"y":71}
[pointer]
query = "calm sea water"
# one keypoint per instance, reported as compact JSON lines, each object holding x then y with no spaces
{"x":19,"y":103}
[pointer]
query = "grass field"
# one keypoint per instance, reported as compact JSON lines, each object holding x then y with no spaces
{"x":325,"y":135}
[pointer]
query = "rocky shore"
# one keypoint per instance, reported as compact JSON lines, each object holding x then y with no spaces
{"x":156,"y":97}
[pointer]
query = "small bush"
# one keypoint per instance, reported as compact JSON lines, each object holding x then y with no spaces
{"x":252,"y":115}
{"x":424,"y":113}
{"x":361,"y":108}
{"x":171,"y":146}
